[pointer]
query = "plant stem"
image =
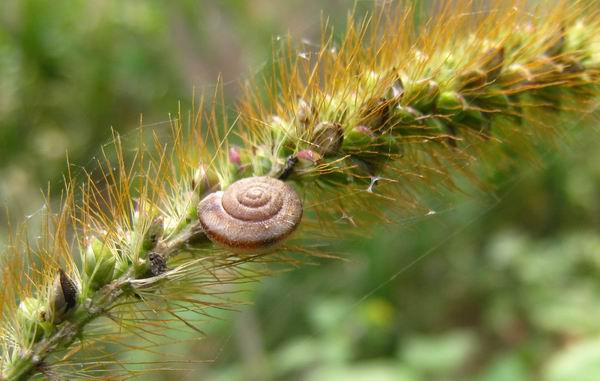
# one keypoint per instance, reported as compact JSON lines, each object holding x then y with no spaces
{"x":27,"y":364}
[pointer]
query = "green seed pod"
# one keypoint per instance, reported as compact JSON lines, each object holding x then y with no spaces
{"x":121,"y":267}
{"x":99,"y":263}
{"x":328,"y":138}
{"x":336,"y":173}
{"x":165,"y":226}
{"x":306,"y":114}
{"x":396,"y":91}
{"x":205,"y":180}
{"x":371,"y":81}
{"x":304,"y":162}
{"x":285,"y":135}
{"x":279,"y":127}
{"x":282,"y":130}
{"x":422,"y":94}
{"x":475,"y":120}
{"x":358,"y":138}
{"x":155,"y":231}
{"x":436,"y":130}
{"x":387,"y":144}
{"x":374,"y":114}
{"x":515,"y":76}
{"x":493,"y":101}
{"x":31,"y":316}
{"x":63,"y":297}
{"x":550,"y":97}
{"x":545,"y":69}
{"x":451,"y":104}
{"x":519,"y":36}
{"x":406,"y":121}
{"x":493,"y":63}
{"x":407,"y":114}
{"x":435,"y":127}
{"x":472,"y":80}
{"x":335,"y":109}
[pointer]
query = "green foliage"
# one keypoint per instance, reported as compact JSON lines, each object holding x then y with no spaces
{"x":69,"y":72}
{"x":463,"y":294}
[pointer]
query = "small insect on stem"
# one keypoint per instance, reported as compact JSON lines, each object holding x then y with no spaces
{"x":288,"y":168}
{"x":157,"y":264}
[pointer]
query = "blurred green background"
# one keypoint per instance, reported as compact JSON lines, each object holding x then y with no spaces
{"x":497,"y":285}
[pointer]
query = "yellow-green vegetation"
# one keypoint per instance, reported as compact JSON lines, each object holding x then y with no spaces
{"x":368,"y":126}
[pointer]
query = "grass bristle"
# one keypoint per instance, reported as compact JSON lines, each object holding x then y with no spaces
{"x":414,"y":107}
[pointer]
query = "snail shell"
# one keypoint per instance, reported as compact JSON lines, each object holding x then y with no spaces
{"x":254,"y":213}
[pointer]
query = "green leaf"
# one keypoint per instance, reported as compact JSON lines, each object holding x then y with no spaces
{"x":440,"y":354}
{"x":578,"y":362}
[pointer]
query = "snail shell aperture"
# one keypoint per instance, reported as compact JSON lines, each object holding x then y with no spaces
{"x":254,"y":213}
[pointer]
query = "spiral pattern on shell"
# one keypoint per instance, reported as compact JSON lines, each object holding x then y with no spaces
{"x":254,"y":213}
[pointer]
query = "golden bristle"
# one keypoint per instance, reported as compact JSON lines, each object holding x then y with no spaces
{"x":510,"y":75}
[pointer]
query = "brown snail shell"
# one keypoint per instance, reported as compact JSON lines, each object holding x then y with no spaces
{"x":254,"y":213}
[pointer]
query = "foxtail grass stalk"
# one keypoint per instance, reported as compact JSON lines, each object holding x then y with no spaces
{"x":352,"y":131}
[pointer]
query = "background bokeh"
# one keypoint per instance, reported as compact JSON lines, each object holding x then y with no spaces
{"x":500,"y":284}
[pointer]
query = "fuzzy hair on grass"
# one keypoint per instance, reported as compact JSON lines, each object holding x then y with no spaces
{"x":359,"y":126}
